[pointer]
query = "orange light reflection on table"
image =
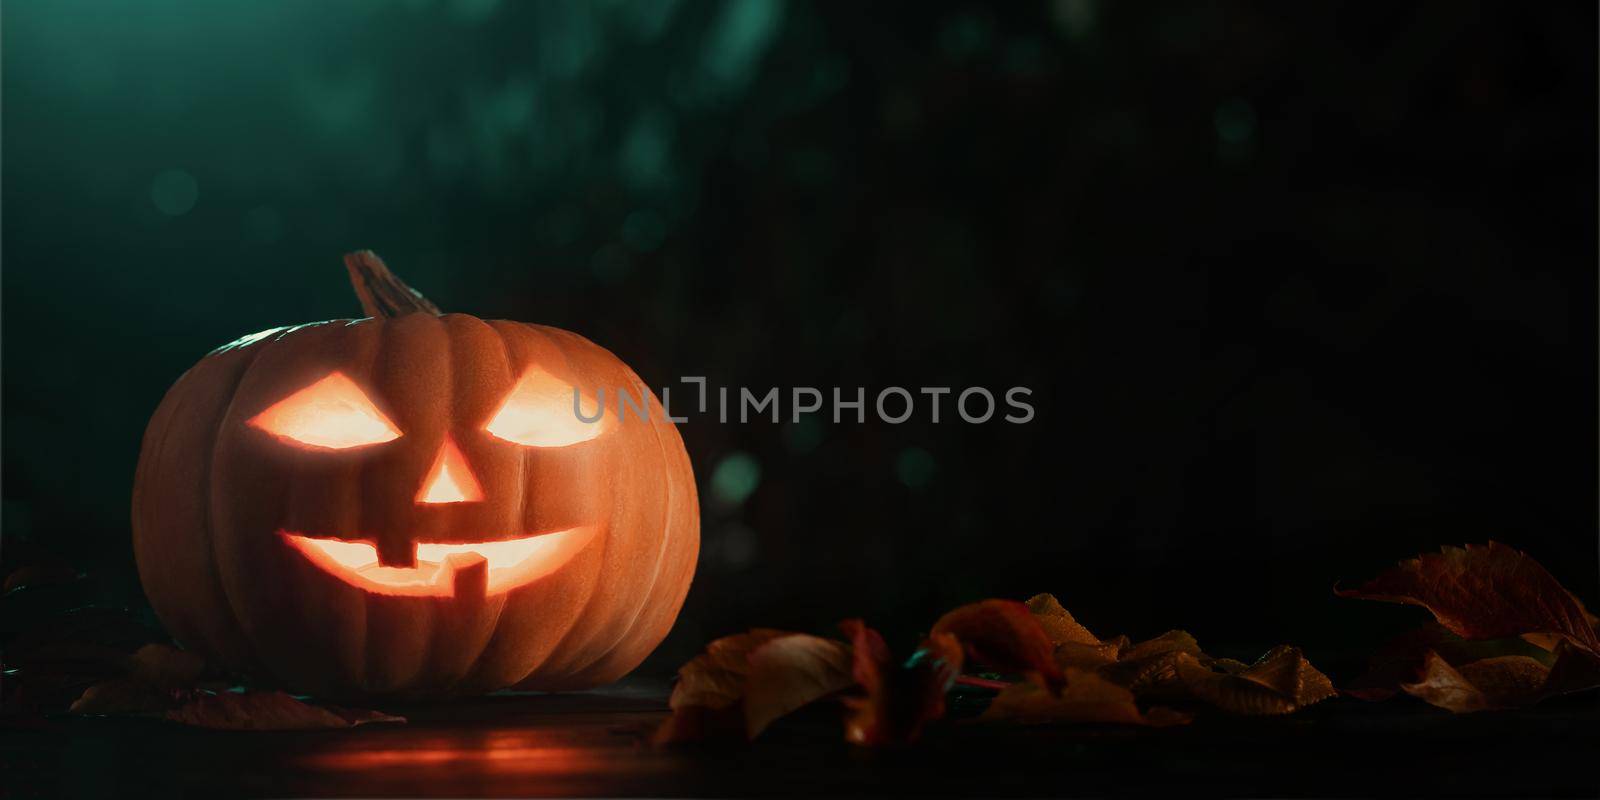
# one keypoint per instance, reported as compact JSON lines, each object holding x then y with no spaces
{"x":498,"y":753}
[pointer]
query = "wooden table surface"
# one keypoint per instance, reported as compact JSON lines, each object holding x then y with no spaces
{"x":597,"y":744}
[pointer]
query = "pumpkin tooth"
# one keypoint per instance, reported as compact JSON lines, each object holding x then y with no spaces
{"x":469,"y":574}
{"x":398,"y":554}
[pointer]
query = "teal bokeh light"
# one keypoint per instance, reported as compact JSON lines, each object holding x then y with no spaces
{"x":737,"y":475}
{"x":174,"y":192}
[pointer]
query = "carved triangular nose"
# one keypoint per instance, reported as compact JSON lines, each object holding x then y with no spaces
{"x":450,"y":480}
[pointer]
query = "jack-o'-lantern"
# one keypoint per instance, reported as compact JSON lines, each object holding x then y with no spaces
{"x":414,"y":504}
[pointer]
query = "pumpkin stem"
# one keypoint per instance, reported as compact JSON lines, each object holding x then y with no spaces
{"x":382,"y":293}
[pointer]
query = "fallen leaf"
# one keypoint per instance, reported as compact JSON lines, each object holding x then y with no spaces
{"x":1500,"y":682}
{"x":1399,"y":659}
{"x":1169,"y":642}
{"x":1086,"y":697}
{"x":1057,"y":621}
{"x":1230,"y":666}
{"x":1170,"y":666}
{"x":268,"y":711}
{"x":155,"y":678}
{"x":792,"y":671}
{"x":1574,"y":670}
{"x":1152,"y":664}
{"x":1281,"y":682}
{"x":1484,"y":592}
{"x":1073,"y":645}
{"x":123,"y":696}
{"x":1548,"y":641}
{"x":716,"y":678}
{"x":1006,"y":636}
{"x":742,"y":683}
{"x":1503,"y":681}
{"x":898,"y":699}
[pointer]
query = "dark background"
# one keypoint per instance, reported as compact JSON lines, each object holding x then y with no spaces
{"x":1300,"y":289}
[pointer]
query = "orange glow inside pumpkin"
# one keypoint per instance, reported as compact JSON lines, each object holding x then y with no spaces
{"x":450,"y":480}
{"x":332,"y":413}
{"x":509,"y":563}
{"x":539,"y":412}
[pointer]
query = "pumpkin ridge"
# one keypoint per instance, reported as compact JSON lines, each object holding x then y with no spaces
{"x":475,"y":666}
{"x":604,"y":545}
{"x":666,"y":539}
{"x":160,"y":426}
{"x":685,"y":571}
{"x":493,"y":606}
{"x":252,"y":647}
{"x":362,"y":664}
{"x":363,"y":678}
{"x":501,"y":327}
{"x":426,"y":615}
{"x":359,"y":522}
{"x":430,"y":639}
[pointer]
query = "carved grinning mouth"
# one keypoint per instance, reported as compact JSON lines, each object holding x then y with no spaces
{"x":445,"y":570}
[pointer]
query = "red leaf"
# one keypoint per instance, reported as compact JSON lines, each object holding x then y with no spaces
{"x":1484,"y":592}
{"x":899,"y":698}
{"x":1005,"y":635}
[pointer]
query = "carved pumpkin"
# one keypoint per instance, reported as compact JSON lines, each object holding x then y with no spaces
{"x":407,"y":504}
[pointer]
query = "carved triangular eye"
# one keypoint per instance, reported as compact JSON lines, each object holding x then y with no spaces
{"x":540,"y":411}
{"x":332,"y":413}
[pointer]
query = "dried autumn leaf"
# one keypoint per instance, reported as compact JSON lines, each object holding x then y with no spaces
{"x":1074,"y":646}
{"x":789,"y":672}
{"x":1396,"y":662}
{"x":1484,"y":592}
{"x":1282,"y":681}
{"x":1549,"y":641}
{"x":1005,"y":635}
{"x":1086,"y":697}
{"x":155,"y":678}
{"x":1152,"y":664}
{"x":1500,"y":682}
{"x":1170,"y":642}
{"x":1057,"y":621}
{"x":1574,"y":670}
{"x":1496,"y":682}
{"x":742,"y":683}
{"x":268,"y":711}
{"x":1399,"y":659}
{"x":123,"y":696}
{"x":715,"y":678}
{"x":899,"y":698}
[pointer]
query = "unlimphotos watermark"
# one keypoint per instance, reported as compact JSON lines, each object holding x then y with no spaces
{"x":894,"y":404}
